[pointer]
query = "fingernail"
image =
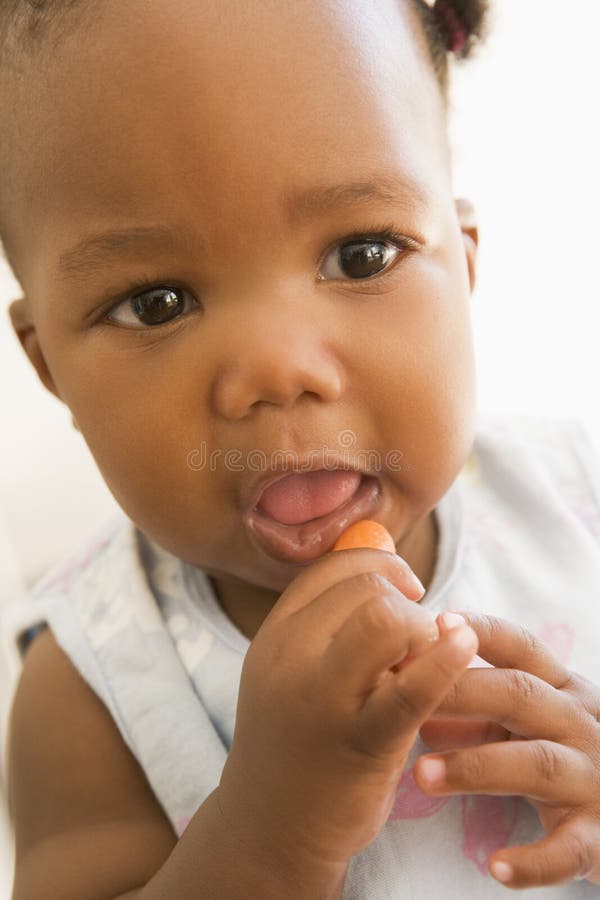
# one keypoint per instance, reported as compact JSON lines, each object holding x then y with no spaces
{"x":418,"y":584}
{"x":415,"y":581}
{"x":432,"y":770}
{"x":502,"y":871}
{"x":451,"y":620}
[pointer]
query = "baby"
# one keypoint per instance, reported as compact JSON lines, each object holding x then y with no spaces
{"x":217,"y":706}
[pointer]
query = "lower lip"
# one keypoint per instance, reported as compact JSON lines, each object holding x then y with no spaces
{"x":301,"y":544}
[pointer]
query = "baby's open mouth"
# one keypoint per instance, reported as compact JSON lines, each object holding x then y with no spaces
{"x":302,"y":496}
{"x":300,"y":516}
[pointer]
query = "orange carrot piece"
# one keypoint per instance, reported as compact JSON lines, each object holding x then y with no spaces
{"x":366,"y":533}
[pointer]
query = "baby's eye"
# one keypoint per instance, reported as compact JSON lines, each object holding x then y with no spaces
{"x":362,"y":257}
{"x":153,"y":306}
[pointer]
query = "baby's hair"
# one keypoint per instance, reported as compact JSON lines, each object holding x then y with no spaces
{"x":453,"y":29}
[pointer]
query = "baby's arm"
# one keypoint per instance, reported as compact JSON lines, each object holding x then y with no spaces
{"x":86,"y":822}
{"x":87,"y":825}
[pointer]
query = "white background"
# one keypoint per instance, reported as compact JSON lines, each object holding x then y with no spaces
{"x":527,"y":148}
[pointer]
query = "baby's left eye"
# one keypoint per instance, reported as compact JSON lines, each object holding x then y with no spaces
{"x":360,"y":258}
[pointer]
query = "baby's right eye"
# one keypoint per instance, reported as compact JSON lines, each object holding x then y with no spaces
{"x":152,"y":307}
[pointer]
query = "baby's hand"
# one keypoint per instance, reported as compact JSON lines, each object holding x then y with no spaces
{"x":323,"y":727}
{"x":543,"y":722}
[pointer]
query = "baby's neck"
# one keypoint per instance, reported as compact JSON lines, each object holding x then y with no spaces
{"x":245,"y":604}
{"x":420,"y":549}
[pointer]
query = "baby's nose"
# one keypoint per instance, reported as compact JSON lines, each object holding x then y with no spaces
{"x":275,"y":363}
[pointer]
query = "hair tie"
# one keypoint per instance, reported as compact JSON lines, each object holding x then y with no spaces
{"x":450,"y":23}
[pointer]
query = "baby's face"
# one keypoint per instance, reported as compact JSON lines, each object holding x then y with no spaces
{"x":210,"y":132}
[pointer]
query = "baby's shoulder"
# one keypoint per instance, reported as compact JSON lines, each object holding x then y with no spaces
{"x":80,"y":804}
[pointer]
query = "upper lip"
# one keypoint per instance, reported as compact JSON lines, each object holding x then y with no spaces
{"x":258,"y":485}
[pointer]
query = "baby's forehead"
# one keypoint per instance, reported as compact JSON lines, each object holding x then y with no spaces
{"x":178,"y":101}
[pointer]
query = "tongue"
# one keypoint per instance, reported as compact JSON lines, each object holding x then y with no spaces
{"x":300,"y":497}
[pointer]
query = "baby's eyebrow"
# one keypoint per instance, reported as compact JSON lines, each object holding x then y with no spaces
{"x":388,"y":189}
{"x":90,"y":255}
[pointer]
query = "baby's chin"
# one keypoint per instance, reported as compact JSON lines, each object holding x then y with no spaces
{"x":254,"y":549}
{"x":269,"y":576}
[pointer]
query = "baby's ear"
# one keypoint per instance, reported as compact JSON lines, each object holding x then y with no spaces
{"x":467,"y":218}
{"x":24,"y":327}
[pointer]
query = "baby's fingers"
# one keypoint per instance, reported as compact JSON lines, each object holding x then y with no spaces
{"x":570,"y":852}
{"x":401,"y":703}
{"x":541,"y":770}
{"x":509,"y":646}
{"x":451,"y":734}
{"x":379,"y":633}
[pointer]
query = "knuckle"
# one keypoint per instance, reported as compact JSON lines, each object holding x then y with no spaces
{"x":572,"y":684}
{"x":581,"y":714}
{"x":546,"y":761}
{"x":372,"y":583}
{"x":584,"y":694}
{"x":535,"y":873}
{"x":374,"y":616}
{"x":579,"y":849}
{"x":531,"y":645}
{"x":473,"y":769}
{"x":525,"y":687}
{"x":405,"y":703}
{"x":452,"y":698}
{"x":579,"y":685}
{"x":393,"y":569}
{"x":494,"y":629}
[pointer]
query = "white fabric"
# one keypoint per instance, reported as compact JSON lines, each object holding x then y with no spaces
{"x":519,"y":538}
